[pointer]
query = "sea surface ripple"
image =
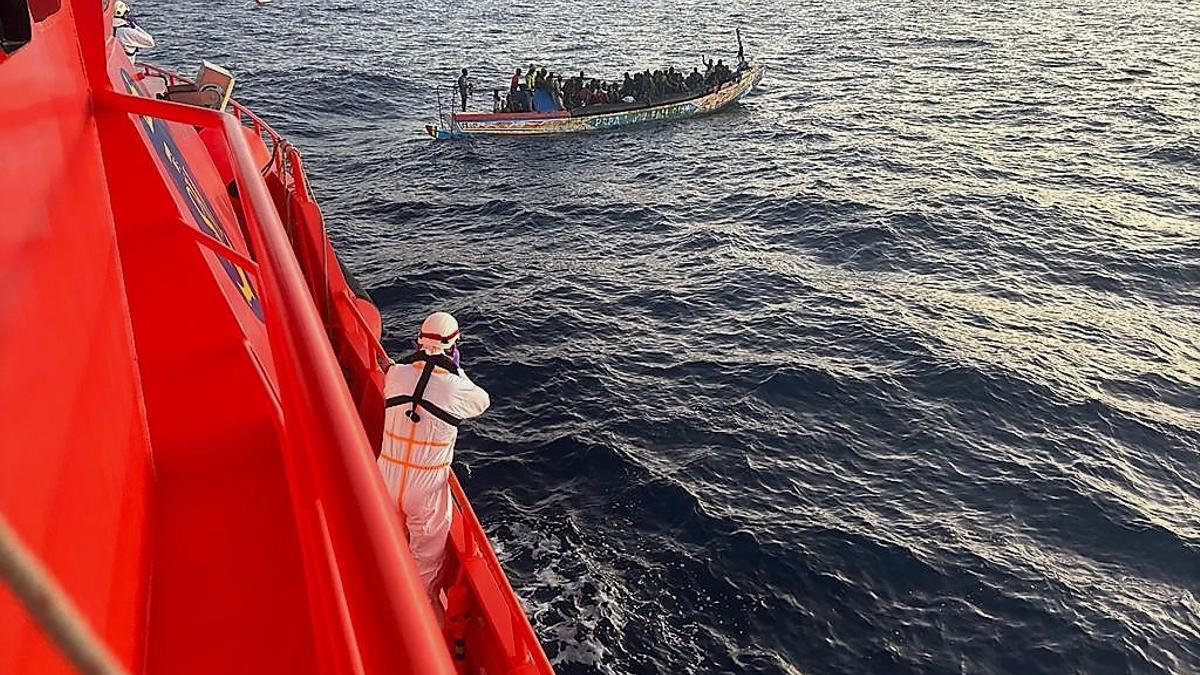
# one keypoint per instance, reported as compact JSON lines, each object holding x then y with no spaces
{"x":893,"y":368}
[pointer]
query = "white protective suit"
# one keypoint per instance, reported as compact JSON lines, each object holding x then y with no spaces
{"x":418,"y":449}
{"x":131,"y":36}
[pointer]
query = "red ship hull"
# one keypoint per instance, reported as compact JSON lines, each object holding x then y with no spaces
{"x":192,"y":395}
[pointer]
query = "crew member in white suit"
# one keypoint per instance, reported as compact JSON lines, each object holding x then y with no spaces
{"x":428,"y":396}
{"x":132,"y":37}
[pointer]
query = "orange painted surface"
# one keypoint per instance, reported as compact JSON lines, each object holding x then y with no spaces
{"x":75,"y":456}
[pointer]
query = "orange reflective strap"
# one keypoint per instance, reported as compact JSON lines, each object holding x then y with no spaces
{"x":409,"y":440}
{"x":415,"y":467}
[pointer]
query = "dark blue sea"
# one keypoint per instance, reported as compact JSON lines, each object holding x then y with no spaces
{"x":894,"y":368}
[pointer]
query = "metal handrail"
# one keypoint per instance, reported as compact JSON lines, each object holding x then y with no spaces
{"x":289,"y":154}
{"x":172,"y":77}
{"x":325,"y":447}
{"x":289,"y":158}
{"x":282,"y":152}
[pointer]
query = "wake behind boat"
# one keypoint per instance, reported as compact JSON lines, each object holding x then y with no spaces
{"x":539,"y":102}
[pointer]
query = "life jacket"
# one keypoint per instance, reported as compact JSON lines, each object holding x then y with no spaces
{"x":416,"y":398}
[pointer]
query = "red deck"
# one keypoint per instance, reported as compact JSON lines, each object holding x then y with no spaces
{"x":188,"y":438}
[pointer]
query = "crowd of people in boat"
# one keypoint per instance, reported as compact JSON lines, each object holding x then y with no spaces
{"x":578,"y":91}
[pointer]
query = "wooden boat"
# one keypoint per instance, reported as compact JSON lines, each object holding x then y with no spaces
{"x":192,"y":399}
{"x":596,"y":118}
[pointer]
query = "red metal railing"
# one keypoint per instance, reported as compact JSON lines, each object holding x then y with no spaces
{"x":506,"y":632}
{"x":237,"y":109}
{"x":370,"y":612}
{"x":285,"y":163}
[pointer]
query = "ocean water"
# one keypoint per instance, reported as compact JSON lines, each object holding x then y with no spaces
{"x":894,"y":368}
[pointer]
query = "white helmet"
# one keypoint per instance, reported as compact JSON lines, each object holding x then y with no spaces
{"x":121,"y":10}
{"x":439,"y":333}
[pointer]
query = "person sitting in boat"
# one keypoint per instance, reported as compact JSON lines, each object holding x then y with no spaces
{"x":130,"y":36}
{"x":522,"y":101}
{"x":497,"y":106}
{"x":581,"y":90}
{"x":722,"y":71}
{"x":428,"y":396}
{"x":570,"y":91}
{"x":675,"y":82}
{"x":543,"y":98}
{"x":463,"y":86}
{"x":694,"y":80}
{"x":556,"y":91}
{"x":626,"y":86}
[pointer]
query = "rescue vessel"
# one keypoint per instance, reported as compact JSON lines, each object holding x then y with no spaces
{"x":191,"y":392}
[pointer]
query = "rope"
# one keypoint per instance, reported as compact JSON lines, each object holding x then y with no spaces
{"x":51,"y":608}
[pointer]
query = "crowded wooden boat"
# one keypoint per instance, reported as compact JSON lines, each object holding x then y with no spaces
{"x":538,"y":100}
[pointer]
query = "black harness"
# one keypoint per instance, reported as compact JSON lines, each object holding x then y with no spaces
{"x":417,"y":397}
